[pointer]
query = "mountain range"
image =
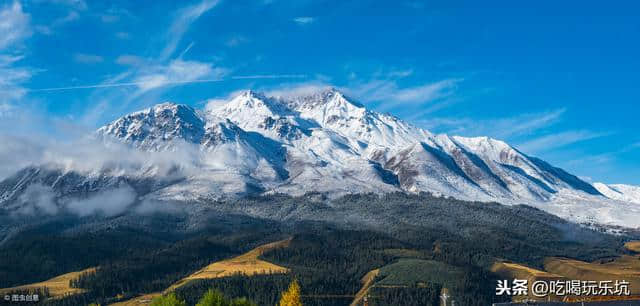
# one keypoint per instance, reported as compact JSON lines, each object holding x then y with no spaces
{"x":320,"y":142}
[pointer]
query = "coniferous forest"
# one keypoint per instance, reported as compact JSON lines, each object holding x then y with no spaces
{"x":328,"y":260}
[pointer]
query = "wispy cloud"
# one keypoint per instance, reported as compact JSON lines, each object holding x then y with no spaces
{"x":131,"y":60}
{"x":59,"y":22}
{"x":14,"y":29}
{"x":11,"y":78}
{"x":236,"y":41}
{"x":14,"y":25}
{"x":115,"y":14}
{"x":75,"y":4}
{"x":181,"y":24}
{"x":177,"y":71}
{"x":285,"y":90}
{"x":84,"y":58}
{"x":303,"y":20}
{"x":159,"y":80}
{"x":123,"y":35}
{"x":553,"y":141}
{"x":146,"y":78}
{"x":502,"y":128}
{"x":391,"y":95}
{"x":400,"y":73}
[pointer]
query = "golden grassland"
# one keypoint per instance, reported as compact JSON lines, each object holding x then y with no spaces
{"x":513,"y":270}
{"x":367,"y":281}
{"x":518,"y":271}
{"x":633,"y":246}
{"x":58,"y":286}
{"x":623,"y":268}
{"x":140,"y":300}
{"x":247,"y":264}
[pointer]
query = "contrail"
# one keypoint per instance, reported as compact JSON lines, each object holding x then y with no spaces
{"x":125,"y":84}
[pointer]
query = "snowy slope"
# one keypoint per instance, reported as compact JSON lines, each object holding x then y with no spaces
{"x":327,"y":142}
{"x":621,"y":192}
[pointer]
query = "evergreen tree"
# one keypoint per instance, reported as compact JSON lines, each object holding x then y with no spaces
{"x":241,"y":302}
{"x":213,"y":298}
{"x":291,"y":297}
{"x":168,"y":300}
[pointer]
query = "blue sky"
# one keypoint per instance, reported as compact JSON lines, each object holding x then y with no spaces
{"x":556,"y":79}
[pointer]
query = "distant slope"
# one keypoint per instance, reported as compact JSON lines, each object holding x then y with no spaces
{"x":58,"y":286}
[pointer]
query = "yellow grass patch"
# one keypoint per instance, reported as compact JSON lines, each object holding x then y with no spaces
{"x":624,"y":268}
{"x":58,"y":286}
{"x":633,"y":246}
{"x":367,"y":281}
{"x":513,"y":270}
{"x":141,"y":300}
{"x":247,"y":264}
{"x":518,"y":271}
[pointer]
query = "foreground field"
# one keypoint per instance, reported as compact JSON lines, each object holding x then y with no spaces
{"x":58,"y":286}
{"x":246,"y":264}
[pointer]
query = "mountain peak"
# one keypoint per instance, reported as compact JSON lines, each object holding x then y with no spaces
{"x":249,"y":93}
{"x":160,"y":123}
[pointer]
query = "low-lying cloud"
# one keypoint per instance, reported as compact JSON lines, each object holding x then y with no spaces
{"x":107,"y":202}
{"x":37,"y":198}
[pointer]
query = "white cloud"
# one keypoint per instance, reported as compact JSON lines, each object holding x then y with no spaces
{"x":76,"y":4}
{"x":303,"y":20}
{"x":14,"y":29}
{"x":48,"y":29}
{"x":87,"y":58}
{"x":115,"y":14}
{"x":130,"y":60}
{"x":181,"y":24}
{"x":11,"y":77}
{"x":400,"y":73}
{"x":14,"y":25}
{"x":177,"y":71}
{"x":37,"y":198}
{"x":502,"y":128}
{"x":391,"y":95}
{"x":108,"y":202}
{"x":296,"y":89}
{"x":557,"y":140}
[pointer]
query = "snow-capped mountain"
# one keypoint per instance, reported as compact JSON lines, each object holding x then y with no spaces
{"x":325,"y":142}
